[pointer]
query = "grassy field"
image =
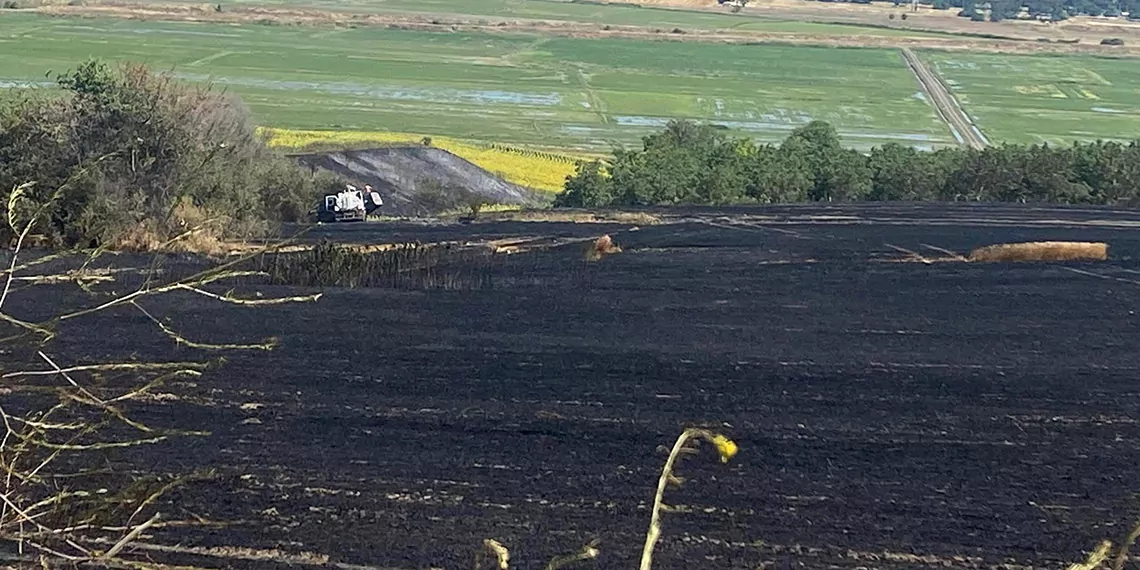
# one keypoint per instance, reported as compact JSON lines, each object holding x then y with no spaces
{"x":563,"y":92}
{"x":599,"y":12}
{"x":1055,"y":99}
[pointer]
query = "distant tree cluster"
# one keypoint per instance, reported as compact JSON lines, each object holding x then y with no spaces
{"x":688,"y":163}
{"x":1054,"y":10}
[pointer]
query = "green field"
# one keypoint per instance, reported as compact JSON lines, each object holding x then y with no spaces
{"x":584,"y":93}
{"x":1055,"y":99}
{"x":599,"y":13}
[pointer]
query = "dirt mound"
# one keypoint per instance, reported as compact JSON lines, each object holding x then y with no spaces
{"x":418,"y":180}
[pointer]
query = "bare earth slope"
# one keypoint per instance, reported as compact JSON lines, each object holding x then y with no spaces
{"x":398,"y":174}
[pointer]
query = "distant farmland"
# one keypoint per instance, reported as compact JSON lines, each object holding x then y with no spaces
{"x":597,"y":12}
{"x":508,"y":88}
{"x":588,"y":93}
{"x":1055,"y":99}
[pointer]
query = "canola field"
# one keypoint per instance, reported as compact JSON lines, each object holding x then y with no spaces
{"x":532,"y":168}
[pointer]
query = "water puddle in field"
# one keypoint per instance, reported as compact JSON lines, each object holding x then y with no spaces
{"x":478,"y":97}
{"x":658,"y":122}
{"x":17,"y":84}
{"x":1107,"y":110}
{"x":579,"y":130}
{"x":918,"y":137}
{"x":920,"y":96}
{"x":953,"y":64}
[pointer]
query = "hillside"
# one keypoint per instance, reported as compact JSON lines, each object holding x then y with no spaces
{"x":401,"y":175}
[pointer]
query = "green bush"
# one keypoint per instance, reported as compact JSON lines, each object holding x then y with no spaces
{"x":123,"y":149}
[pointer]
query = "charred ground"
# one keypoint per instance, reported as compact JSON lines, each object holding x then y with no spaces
{"x":890,"y":413}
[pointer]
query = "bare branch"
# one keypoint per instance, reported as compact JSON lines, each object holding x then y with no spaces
{"x":271,"y":301}
{"x":130,"y":536}
{"x":268,"y":344}
{"x":111,"y":366}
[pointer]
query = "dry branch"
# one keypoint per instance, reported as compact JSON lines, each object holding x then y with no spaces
{"x":129,"y":537}
{"x":588,"y":552}
{"x":492,"y":548}
{"x":268,"y":344}
{"x":725,"y":447}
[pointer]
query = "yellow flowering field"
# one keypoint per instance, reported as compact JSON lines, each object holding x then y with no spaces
{"x":534,"y":169}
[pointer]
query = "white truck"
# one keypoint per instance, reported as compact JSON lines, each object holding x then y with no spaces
{"x":349,"y":205}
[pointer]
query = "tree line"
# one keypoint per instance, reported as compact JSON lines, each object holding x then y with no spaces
{"x":1055,"y":10}
{"x":690,"y":163}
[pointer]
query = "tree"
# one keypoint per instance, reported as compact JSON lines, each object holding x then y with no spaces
{"x":1110,"y":170}
{"x":991,"y":174}
{"x":837,"y":173}
{"x":903,"y":173}
{"x":1004,"y":9}
{"x":124,"y":156}
{"x":587,"y":187}
{"x":775,"y":175}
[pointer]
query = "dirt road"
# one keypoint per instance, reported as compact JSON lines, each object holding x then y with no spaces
{"x":948,"y":109}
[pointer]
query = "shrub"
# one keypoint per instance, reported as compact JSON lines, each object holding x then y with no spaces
{"x":123,"y":149}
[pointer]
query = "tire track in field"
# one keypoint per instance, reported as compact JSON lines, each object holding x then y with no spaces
{"x":948,"y":108}
{"x":595,"y":102}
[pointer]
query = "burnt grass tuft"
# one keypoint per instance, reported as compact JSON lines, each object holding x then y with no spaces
{"x":413,"y":266}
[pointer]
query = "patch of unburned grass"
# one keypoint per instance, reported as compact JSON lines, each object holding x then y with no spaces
{"x":1041,"y":251}
{"x":602,"y":247}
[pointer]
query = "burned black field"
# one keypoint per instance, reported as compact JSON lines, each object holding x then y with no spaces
{"x":890,"y":413}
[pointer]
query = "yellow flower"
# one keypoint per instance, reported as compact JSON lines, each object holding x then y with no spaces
{"x":725,"y":447}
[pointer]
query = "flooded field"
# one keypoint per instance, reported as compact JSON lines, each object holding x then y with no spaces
{"x":583,"y":93}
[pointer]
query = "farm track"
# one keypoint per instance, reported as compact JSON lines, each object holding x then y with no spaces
{"x":948,"y":108}
{"x":890,"y":415}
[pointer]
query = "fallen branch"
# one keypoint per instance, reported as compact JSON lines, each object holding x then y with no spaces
{"x":130,"y":536}
{"x":269,"y":344}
